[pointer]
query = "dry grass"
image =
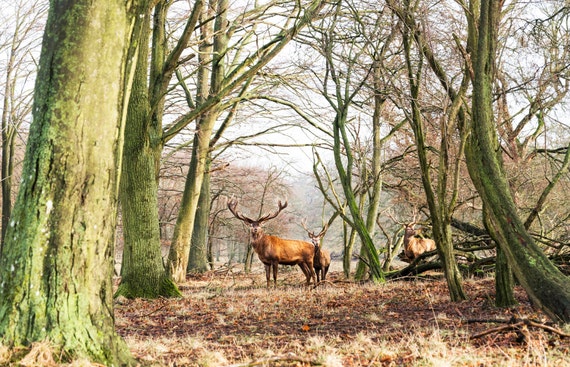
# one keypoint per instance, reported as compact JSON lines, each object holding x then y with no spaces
{"x":231,"y":319}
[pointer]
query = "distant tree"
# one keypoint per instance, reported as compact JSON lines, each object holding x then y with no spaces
{"x":22,"y":32}
{"x":57,"y":266}
{"x":222,"y":84}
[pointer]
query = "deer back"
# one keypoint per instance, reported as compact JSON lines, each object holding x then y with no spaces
{"x":413,"y":246}
{"x":271,"y":249}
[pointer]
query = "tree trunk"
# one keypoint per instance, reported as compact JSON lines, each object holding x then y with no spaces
{"x":546,"y":286}
{"x":436,"y":199}
{"x":349,"y":240}
{"x":180,"y":246}
{"x":142,"y":273}
{"x":362,"y":267}
{"x":8,"y":143}
{"x":248,"y":263}
{"x":504,"y":281}
{"x":212,"y":50}
{"x":57,"y":267}
{"x":344,"y":174}
{"x":198,"y":260}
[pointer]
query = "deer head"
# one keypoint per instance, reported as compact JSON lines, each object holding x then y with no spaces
{"x":413,"y":246}
{"x":315,"y":238}
{"x":255,"y":225}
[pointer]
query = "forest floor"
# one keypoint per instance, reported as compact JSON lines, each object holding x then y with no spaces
{"x":228,"y":318}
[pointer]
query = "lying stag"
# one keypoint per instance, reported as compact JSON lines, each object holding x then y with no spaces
{"x":322,"y":260}
{"x":273,"y":250}
{"x":414,"y":246}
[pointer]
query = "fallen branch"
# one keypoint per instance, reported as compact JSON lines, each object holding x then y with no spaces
{"x":284,"y":358}
{"x":516,"y":324}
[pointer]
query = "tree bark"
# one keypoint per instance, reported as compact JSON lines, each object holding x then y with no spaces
{"x":142,"y":273}
{"x":376,"y":273}
{"x":546,"y":286}
{"x":198,"y":259}
{"x":57,"y":267}
{"x":376,"y":189}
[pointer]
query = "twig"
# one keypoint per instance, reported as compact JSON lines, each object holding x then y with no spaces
{"x":153,"y":311}
{"x":288,"y":357}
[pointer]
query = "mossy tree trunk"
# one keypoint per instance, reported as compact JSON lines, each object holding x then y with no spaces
{"x":456,"y":124}
{"x":375,"y":191}
{"x":213,"y":43}
{"x":546,"y":286}
{"x":341,"y":143}
{"x":142,"y":274}
{"x":442,"y":198}
{"x":56,"y":270}
{"x":198,"y":259}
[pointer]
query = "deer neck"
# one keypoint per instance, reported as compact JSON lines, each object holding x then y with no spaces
{"x":257,"y":237}
{"x":407,"y":236}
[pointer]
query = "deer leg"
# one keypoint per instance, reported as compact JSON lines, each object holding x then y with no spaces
{"x":275,"y":265}
{"x":267,"y":273}
{"x":312,"y":274}
{"x":317,"y":274}
{"x":325,"y":271}
{"x":303,"y":267}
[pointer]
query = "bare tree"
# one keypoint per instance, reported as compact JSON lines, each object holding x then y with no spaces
{"x":222,"y":84}
{"x":22,"y":32}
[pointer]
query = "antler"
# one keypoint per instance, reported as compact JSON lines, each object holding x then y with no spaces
{"x":271,"y":216}
{"x":312,"y":234}
{"x":304,"y":224}
{"x":415,"y":213}
{"x":232,"y":205}
{"x":323,"y":231}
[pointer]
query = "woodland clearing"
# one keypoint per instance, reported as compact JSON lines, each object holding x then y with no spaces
{"x":229,"y":318}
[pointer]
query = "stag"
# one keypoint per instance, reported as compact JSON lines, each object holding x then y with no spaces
{"x":273,"y":250}
{"x":322,"y":259}
{"x":415,"y":246}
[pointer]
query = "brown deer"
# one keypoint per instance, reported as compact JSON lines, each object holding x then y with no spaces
{"x":322,"y":259}
{"x":273,"y":250}
{"x":414,"y":246}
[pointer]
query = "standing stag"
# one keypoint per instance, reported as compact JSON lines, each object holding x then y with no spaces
{"x":322,"y":259}
{"x":273,"y":250}
{"x":414,"y":246}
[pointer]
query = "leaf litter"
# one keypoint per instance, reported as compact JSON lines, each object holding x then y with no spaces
{"x":233,"y":320}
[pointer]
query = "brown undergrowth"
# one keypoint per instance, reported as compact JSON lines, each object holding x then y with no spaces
{"x":231,"y":319}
